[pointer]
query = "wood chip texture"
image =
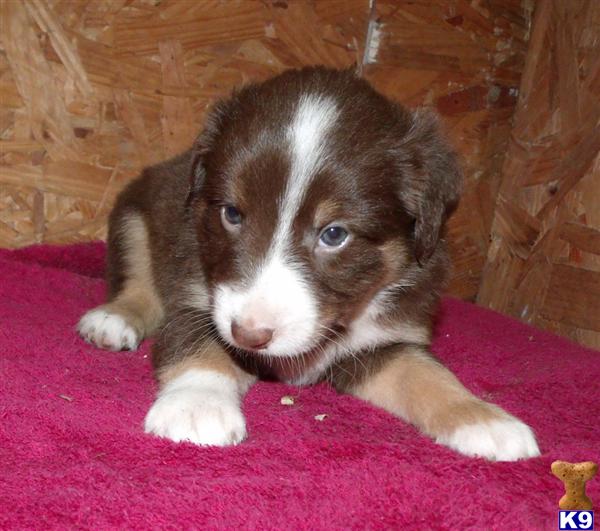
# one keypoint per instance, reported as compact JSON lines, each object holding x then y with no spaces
{"x":543,"y":263}
{"x":91,"y":91}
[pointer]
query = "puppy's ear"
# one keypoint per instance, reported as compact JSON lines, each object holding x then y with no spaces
{"x":431,"y":180}
{"x":203,"y":145}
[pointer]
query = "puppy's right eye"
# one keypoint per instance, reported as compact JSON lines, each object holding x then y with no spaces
{"x":231,"y":217}
{"x":333,"y":237}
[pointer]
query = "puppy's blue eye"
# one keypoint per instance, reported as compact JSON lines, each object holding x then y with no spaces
{"x":231,"y":215}
{"x":334,"y":236}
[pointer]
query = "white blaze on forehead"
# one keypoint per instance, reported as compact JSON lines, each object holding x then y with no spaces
{"x":278,"y":297}
{"x":313,"y":120}
{"x":306,"y":136}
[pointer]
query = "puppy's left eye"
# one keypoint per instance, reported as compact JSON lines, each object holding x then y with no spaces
{"x":231,"y":216}
{"x":334,"y":236}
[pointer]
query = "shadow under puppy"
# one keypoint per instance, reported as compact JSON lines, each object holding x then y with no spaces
{"x":298,"y":239}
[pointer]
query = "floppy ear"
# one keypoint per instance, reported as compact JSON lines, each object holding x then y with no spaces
{"x":431,"y":181}
{"x":203,"y":145}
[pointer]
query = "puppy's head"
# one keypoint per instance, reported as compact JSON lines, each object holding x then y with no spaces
{"x":314,"y":195}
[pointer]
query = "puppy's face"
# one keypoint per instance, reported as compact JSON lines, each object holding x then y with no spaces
{"x":302,"y":217}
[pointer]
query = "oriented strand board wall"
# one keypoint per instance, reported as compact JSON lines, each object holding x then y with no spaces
{"x":465,"y":59}
{"x":93,"y":90}
{"x":544,"y":260}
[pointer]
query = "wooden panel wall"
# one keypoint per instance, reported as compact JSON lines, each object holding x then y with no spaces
{"x":544,"y":260}
{"x":93,"y":90}
{"x":465,"y":59}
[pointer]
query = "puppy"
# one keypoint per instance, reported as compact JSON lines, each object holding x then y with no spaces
{"x":299,"y":239}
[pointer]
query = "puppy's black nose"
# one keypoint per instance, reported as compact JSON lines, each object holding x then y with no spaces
{"x":251,"y":338}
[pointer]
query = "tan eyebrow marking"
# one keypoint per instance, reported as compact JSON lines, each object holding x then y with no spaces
{"x":326,"y":212}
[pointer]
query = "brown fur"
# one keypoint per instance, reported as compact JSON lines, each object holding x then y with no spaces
{"x":391,"y":180}
{"x":414,"y":386}
{"x":137,"y":301}
{"x":187,"y":244}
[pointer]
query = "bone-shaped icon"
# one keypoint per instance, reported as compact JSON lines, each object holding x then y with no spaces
{"x":574,"y":476}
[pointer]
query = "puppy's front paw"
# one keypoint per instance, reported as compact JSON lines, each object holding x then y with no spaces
{"x":108,"y":330}
{"x":201,"y":407}
{"x":499,"y":437}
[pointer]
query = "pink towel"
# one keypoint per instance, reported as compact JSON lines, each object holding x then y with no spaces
{"x":73,"y":453}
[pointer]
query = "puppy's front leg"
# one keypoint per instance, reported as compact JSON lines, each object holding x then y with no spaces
{"x":200,"y":395}
{"x":414,"y":386}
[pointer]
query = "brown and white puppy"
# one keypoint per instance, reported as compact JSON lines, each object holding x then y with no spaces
{"x":299,"y":239}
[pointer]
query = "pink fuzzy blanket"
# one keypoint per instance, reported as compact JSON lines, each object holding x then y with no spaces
{"x":73,"y":454}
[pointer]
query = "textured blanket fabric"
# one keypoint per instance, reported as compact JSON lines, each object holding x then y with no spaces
{"x":73,"y":454}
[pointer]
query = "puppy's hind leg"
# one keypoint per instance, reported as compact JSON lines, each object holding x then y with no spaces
{"x":134,"y":309}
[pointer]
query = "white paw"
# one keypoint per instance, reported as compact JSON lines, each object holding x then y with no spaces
{"x":107,"y":330}
{"x":505,"y":439}
{"x":201,"y":407}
